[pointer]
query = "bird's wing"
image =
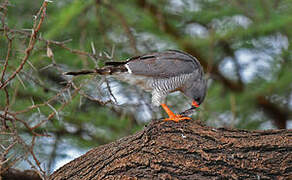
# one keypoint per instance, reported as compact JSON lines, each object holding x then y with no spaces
{"x":163,"y":64}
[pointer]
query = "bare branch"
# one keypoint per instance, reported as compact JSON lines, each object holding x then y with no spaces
{"x":36,"y":28}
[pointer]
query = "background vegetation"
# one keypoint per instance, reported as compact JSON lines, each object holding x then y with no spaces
{"x":47,"y":118}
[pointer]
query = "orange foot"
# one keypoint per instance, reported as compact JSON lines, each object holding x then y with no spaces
{"x":176,"y":118}
{"x":172,"y":116}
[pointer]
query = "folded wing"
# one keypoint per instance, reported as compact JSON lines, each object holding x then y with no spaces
{"x":163,"y":64}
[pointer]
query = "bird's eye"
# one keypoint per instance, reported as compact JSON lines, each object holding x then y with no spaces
{"x":197,"y":100}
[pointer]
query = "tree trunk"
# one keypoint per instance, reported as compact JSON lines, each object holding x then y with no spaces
{"x":187,"y":150}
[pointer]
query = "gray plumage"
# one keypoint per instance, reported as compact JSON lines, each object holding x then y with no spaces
{"x":165,"y":72}
{"x":161,"y":73}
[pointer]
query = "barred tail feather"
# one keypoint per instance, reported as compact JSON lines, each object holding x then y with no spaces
{"x":107,"y":70}
{"x":77,"y":73}
{"x":115,"y":63}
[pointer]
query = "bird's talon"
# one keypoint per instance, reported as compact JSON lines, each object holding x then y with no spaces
{"x":177,"y":118}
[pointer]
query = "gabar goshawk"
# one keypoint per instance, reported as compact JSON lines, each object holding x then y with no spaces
{"x":161,"y":73}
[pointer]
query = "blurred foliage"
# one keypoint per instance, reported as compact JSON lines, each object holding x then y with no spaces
{"x":244,"y":46}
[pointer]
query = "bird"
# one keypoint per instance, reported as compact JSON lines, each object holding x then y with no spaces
{"x":161,"y":73}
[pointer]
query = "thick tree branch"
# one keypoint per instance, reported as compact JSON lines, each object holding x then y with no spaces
{"x":279,"y":115}
{"x":15,"y":174}
{"x":187,"y":150}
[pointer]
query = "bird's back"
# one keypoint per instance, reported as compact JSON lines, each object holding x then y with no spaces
{"x":165,"y":71}
{"x":163,"y":64}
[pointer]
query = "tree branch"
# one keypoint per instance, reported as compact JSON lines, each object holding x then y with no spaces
{"x":31,"y":44}
{"x":277,"y":114}
{"x":15,"y":174}
{"x":187,"y":150}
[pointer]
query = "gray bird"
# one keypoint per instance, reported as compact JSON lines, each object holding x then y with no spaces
{"x":161,"y":73}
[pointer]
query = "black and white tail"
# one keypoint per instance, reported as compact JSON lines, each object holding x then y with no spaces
{"x":109,"y":69}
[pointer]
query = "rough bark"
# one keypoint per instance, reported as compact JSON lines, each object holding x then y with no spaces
{"x":187,"y":150}
{"x":15,"y":174}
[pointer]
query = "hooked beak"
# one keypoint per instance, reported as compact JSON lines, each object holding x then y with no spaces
{"x":195,"y":104}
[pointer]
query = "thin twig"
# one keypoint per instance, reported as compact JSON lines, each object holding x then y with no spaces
{"x":61,"y":44}
{"x":125,"y":25}
{"x":30,"y":47}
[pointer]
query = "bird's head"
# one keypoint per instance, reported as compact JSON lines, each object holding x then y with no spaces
{"x":197,"y":92}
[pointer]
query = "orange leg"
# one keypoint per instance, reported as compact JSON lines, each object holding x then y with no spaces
{"x":172,"y":116}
